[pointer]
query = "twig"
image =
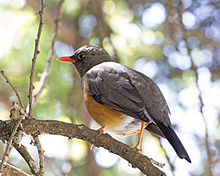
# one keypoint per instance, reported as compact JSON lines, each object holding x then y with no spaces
{"x":31,"y":87}
{"x":14,"y":88}
{"x":10,"y":170}
{"x":161,"y":165}
{"x":45,"y":73}
{"x":37,"y":127}
{"x":194,"y":68}
{"x":172,"y":167}
{"x":27,"y":157}
{"x":41,"y":155}
{"x":208,"y":152}
{"x":36,"y":52}
{"x":206,"y":128}
{"x":6,"y":154}
{"x":5,"y":135}
{"x":70,"y":27}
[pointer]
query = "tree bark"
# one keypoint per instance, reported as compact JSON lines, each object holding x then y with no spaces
{"x":37,"y":127}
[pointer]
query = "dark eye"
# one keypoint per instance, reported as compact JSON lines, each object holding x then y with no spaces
{"x":81,"y":56}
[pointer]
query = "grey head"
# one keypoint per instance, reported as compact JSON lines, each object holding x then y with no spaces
{"x":87,"y":57}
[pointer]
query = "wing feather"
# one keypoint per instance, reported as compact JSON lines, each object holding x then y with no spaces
{"x":126,"y":91}
{"x":136,"y":95}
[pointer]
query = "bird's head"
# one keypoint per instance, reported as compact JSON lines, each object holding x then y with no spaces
{"x":87,"y":57}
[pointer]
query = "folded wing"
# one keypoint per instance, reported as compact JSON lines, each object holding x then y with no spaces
{"x":134,"y":94}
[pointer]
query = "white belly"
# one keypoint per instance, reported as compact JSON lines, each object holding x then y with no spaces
{"x":129,"y":126}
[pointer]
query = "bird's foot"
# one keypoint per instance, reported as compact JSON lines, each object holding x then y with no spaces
{"x":138,"y":148}
{"x":101,"y":131}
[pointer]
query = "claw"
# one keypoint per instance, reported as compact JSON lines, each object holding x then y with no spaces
{"x":101,"y":131}
{"x":138,"y":148}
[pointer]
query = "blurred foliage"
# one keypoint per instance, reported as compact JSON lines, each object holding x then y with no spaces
{"x":173,"y":42}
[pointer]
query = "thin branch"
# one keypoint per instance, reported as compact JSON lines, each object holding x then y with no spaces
{"x":41,"y":155}
{"x":14,"y":88}
{"x":42,"y":84}
{"x":10,"y":170}
{"x":27,"y":157}
{"x":70,"y":27}
{"x":31,"y":87}
{"x":17,"y":113}
{"x":45,"y":73}
{"x":201,"y":106}
{"x":37,"y":127}
{"x":6,"y":153}
{"x":194,"y":68}
{"x":172,"y":167}
{"x":36,"y":52}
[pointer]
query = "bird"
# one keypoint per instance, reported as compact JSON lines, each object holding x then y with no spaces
{"x":122,"y":100}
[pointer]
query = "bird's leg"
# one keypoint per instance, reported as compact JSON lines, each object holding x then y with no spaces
{"x":101,"y":131}
{"x":138,"y":146}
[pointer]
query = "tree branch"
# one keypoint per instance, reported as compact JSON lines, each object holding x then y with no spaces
{"x":6,"y":153}
{"x":69,"y":33}
{"x":41,"y":155}
{"x":44,"y":75}
{"x":37,"y":127}
{"x":31,"y":87}
{"x":36,"y":52}
{"x":201,"y":103}
{"x":10,"y":170}
{"x":171,"y":164}
{"x":27,"y":157}
{"x":14,"y":88}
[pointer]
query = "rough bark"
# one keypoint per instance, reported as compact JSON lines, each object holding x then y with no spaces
{"x":10,"y":170}
{"x":37,"y":127}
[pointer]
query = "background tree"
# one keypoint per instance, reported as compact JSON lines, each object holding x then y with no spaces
{"x":176,"y":43}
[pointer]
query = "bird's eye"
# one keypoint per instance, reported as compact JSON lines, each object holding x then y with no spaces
{"x":81,"y":56}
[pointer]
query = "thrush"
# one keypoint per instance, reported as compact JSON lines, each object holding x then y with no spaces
{"x":122,"y":100}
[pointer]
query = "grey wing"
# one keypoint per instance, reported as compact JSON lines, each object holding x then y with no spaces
{"x":153,"y":98}
{"x":157,"y":108}
{"x":136,"y":95}
{"x":124,"y":90}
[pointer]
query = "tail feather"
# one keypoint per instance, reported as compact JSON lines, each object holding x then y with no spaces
{"x":173,"y":139}
{"x":153,"y":128}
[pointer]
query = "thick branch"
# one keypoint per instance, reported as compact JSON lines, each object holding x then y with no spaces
{"x":36,"y":127}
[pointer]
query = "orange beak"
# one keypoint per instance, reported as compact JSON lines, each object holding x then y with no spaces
{"x":66,"y":59}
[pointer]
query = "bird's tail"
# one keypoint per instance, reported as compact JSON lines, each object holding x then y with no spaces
{"x":173,"y":139}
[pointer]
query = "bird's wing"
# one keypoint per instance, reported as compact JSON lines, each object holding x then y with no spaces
{"x":127,"y":91}
{"x":134,"y":94}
